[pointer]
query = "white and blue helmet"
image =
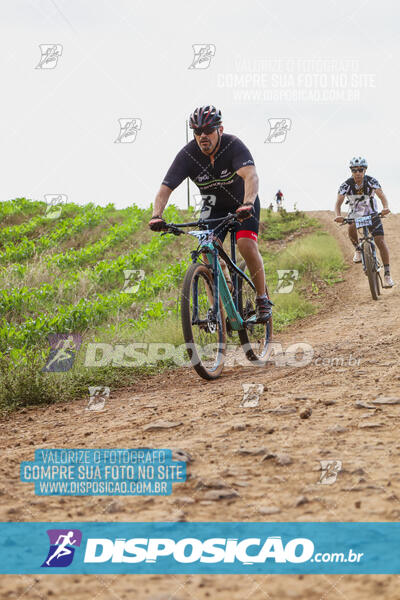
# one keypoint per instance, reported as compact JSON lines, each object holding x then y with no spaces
{"x":358,"y":161}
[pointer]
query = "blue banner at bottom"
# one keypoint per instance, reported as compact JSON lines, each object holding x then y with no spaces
{"x":206,"y":548}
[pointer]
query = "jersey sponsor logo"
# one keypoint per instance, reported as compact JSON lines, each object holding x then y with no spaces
{"x":202,"y":177}
{"x":215,"y":183}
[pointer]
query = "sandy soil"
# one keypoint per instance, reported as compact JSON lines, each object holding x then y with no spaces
{"x":214,"y":427}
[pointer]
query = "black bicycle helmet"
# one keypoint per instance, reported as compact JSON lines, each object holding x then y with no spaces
{"x":205,"y":115}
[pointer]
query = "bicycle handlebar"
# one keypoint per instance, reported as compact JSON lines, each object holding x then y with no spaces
{"x":346,"y":220}
{"x":175,"y":227}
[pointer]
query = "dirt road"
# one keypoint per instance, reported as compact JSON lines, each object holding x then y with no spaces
{"x":213,"y":427}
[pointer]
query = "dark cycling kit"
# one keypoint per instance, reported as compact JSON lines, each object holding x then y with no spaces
{"x":222,"y":189}
{"x":362,"y":201}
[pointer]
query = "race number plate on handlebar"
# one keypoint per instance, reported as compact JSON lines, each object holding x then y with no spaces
{"x":363,"y":221}
{"x":204,"y":237}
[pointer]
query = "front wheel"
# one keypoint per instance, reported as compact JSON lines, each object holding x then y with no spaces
{"x":372,"y":274}
{"x":205,"y":334}
{"x":254,"y":337}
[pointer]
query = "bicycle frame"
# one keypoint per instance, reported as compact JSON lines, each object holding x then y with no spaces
{"x":209,"y":246}
{"x":212,"y":251}
{"x":368,"y":238}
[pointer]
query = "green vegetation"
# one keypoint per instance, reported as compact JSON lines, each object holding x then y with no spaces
{"x":317,"y":259}
{"x":278,"y":225}
{"x":66,"y":275}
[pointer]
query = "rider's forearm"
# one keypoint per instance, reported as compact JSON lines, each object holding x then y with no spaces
{"x":384,"y":200}
{"x":250,"y":188}
{"x":161,"y":200}
{"x":338,"y":206}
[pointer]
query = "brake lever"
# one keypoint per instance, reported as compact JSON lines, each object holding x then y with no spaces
{"x":173,"y":230}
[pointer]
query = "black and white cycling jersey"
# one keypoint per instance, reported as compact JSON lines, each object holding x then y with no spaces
{"x":361,"y":200}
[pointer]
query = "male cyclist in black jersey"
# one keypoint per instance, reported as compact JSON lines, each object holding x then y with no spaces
{"x":223,"y":169}
{"x":360,"y":190}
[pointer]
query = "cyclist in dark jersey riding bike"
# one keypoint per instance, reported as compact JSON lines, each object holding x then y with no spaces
{"x":223,"y":169}
{"x":360,"y":190}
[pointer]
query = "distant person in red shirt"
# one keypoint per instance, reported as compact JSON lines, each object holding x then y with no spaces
{"x":279,"y":199}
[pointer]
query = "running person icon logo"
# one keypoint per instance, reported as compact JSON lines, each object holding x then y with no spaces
{"x":63,"y":351}
{"x":286,"y":280}
{"x":128,"y":129}
{"x":61,"y":551}
{"x":278,"y":129}
{"x":50,"y":53}
{"x":329,"y":471}
{"x":203,"y":53}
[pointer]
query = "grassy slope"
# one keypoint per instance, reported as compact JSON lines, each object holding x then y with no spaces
{"x":152,"y":315}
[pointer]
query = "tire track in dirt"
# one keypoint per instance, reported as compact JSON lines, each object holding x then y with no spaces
{"x":216,"y":431}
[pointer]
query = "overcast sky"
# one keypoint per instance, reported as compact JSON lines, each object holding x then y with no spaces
{"x":328,"y":70}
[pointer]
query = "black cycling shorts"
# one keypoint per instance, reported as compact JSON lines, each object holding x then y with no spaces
{"x":247,"y":228}
{"x":376,"y":228}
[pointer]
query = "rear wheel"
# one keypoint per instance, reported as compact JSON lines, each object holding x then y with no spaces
{"x":372,"y":274}
{"x":254,"y":337}
{"x":205,"y":336}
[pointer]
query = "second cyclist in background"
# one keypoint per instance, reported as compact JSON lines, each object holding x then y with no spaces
{"x":360,"y":190}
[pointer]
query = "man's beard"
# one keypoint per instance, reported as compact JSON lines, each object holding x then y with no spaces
{"x":206,"y":148}
{"x":209,"y":148}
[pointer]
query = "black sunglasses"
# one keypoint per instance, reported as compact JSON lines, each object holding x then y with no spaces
{"x":357,"y":170}
{"x":207,"y":129}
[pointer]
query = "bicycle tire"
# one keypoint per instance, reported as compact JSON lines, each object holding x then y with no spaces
{"x":249,"y":338}
{"x":378,"y":283}
{"x":195,"y":273}
{"x":371,"y":271}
